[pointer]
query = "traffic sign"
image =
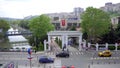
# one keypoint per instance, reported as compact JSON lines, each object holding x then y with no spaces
{"x":29,"y":51}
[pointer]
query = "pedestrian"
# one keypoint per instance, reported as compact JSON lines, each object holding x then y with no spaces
{"x":35,"y":51}
{"x":64,"y":47}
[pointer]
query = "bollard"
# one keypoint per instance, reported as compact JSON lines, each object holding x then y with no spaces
{"x":114,"y":62}
{"x":88,"y":66}
{"x":63,"y":66}
{"x":92,"y":62}
{"x":72,"y":66}
{"x":50,"y":67}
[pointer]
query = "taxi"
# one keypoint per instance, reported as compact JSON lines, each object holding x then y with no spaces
{"x":106,"y":53}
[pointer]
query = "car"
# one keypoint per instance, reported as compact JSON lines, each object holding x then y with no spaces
{"x":63,"y":54}
{"x":106,"y":53}
{"x":46,"y":59}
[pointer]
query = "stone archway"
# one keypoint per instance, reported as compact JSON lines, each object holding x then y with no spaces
{"x":64,"y":36}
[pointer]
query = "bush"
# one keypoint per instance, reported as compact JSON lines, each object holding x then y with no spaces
{"x":41,"y":47}
{"x":111,"y":47}
{"x":118,"y":48}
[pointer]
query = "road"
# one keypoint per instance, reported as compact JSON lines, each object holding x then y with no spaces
{"x":80,"y":59}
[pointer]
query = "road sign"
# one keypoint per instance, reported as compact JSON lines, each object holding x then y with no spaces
{"x":29,"y":51}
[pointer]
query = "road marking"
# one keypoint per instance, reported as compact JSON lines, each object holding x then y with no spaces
{"x":71,"y":53}
{"x":104,"y":58}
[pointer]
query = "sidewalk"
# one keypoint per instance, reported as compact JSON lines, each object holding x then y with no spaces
{"x":72,"y":48}
{"x":57,"y":64}
{"x":105,"y":66}
{"x":28,"y":67}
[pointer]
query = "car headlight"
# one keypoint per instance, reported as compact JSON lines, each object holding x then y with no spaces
{"x":100,"y":53}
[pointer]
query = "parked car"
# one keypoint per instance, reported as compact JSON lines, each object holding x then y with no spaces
{"x":63,"y":54}
{"x":106,"y":53}
{"x":46,"y":59}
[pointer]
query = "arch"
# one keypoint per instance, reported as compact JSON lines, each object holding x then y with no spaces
{"x":65,"y":35}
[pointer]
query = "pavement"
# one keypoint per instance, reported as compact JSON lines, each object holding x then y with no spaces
{"x":105,"y":66}
{"x":56,"y":64}
{"x":70,"y":48}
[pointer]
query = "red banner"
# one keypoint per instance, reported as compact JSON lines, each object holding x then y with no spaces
{"x":63,"y":22}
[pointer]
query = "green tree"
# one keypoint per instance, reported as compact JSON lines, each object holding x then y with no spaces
{"x":40,"y":26}
{"x":95,"y":23}
{"x":14,"y":24}
{"x":4,"y":26}
{"x":24,"y":24}
{"x":117,"y":31}
{"x":110,"y":37}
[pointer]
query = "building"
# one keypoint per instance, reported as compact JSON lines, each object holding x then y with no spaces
{"x":109,"y":7}
{"x":115,"y":20}
{"x":64,"y":20}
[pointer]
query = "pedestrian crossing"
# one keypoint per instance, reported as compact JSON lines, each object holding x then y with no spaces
{"x":71,"y":53}
{"x":98,"y":58}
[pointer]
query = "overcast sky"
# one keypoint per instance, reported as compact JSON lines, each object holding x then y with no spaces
{"x":23,"y":8}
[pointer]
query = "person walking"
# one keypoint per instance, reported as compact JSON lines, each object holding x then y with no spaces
{"x":64,"y":47}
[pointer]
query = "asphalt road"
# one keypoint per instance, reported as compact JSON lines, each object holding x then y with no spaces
{"x":77,"y":58}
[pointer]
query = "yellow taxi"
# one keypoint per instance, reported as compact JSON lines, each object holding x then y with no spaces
{"x":105,"y":53}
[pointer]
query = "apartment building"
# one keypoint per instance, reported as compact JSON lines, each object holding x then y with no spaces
{"x":110,"y":7}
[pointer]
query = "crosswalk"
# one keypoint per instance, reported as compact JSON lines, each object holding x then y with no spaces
{"x":98,"y":58}
{"x":71,"y":53}
{"x":82,"y":53}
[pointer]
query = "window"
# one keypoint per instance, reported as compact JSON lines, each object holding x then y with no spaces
{"x":56,"y":18}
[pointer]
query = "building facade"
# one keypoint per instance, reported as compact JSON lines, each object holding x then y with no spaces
{"x":109,"y":7}
{"x":64,"y":20}
{"x":115,"y":20}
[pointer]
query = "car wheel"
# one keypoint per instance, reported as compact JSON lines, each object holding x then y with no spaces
{"x":101,"y":56}
{"x":109,"y":55}
{"x":67,"y":56}
{"x":52,"y":62}
{"x":56,"y":55}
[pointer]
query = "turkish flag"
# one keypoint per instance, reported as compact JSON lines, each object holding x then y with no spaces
{"x":63,"y":22}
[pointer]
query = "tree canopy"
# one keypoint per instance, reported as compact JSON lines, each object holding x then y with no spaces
{"x":95,"y":23}
{"x":24,"y":24}
{"x":40,"y":25}
{"x":4,"y":26}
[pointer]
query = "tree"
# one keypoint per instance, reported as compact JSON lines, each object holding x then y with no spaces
{"x":117,"y":31}
{"x":4,"y":26}
{"x":110,"y":37}
{"x":40,"y":26}
{"x":95,"y":23}
{"x":24,"y":24}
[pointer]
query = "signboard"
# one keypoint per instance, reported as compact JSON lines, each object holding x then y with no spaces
{"x":29,"y":51}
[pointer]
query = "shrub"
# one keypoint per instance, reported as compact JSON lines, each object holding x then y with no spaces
{"x":118,"y":48}
{"x":41,"y":47}
{"x":111,"y":47}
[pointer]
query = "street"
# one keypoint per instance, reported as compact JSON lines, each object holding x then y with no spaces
{"x":80,"y":59}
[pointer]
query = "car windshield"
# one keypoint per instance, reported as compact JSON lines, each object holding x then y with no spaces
{"x":43,"y":56}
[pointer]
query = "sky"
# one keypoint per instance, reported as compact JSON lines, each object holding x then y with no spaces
{"x":24,"y":8}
